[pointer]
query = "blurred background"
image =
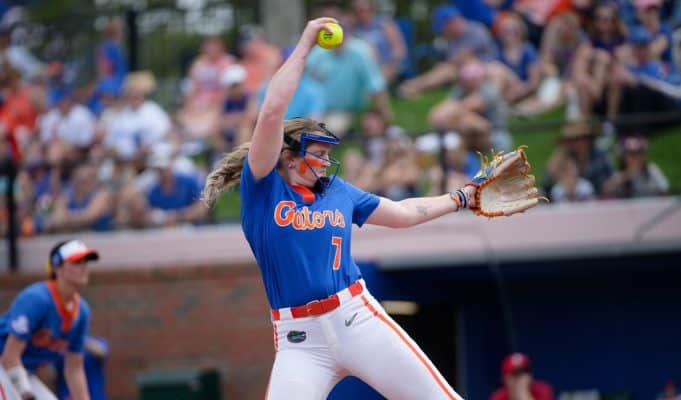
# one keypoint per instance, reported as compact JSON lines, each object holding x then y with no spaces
{"x":113,"y":111}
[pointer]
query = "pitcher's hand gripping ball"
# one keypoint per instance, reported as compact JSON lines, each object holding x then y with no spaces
{"x":505,"y":185}
{"x":330,"y":40}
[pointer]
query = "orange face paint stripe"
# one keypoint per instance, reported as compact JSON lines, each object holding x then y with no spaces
{"x":410,"y":346}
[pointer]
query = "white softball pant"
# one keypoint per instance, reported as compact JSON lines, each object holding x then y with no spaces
{"x":7,"y":391}
{"x":358,"y":338}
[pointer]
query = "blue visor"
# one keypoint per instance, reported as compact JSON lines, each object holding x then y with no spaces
{"x":313,"y":137}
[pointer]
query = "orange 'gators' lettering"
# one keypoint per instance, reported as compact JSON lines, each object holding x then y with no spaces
{"x":285,"y":214}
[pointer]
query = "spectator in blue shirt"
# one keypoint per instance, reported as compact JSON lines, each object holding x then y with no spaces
{"x":464,"y":39}
{"x":382,"y":34}
{"x":634,"y":88}
{"x":518,"y":55}
{"x":84,"y":205}
{"x":174,"y":198}
{"x":111,"y":61}
{"x":648,"y":14}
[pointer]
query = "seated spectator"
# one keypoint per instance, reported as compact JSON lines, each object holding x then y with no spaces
{"x":519,"y":383}
{"x":234,"y":109}
{"x":636,"y":176}
{"x":399,"y":176}
{"x":175,"y":198}
{"x":562,"y":41}
{"x":18,"y":56}
{"x":17,"y":108}
{"x":112,"y":64}
{"x":571,"y":187}
{"x":205,"y":73}
{"x":464,"y":38}
{"x":141,"y":124}
{"x":592,"y":66}
{"x":633,"y":85}
{"x":200,"y":112}
{"x":577,"y":143}
{"x":457,"y":168}
{"x":360,"y":167}
{"x":605,"y":29}
{"x":350,"y":76}
{"x":38,"y":190}
{"x":67,"y":131}
{"x":260,"y":58}
{"x":475,"y":104}
{"x":165,"y":196}
{"x":648,"y":14}
{"x":382,"y":34}
{"x":518,"y":55}
{"x":84,"y":205}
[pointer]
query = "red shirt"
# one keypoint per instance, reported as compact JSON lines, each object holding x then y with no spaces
{"x":540,"y":391}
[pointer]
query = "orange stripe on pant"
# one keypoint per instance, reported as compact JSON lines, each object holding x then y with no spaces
{"x":410,"y":346}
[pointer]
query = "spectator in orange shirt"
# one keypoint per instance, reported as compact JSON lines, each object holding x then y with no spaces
{"x":259,"y":58}
{"x":519,"y":384}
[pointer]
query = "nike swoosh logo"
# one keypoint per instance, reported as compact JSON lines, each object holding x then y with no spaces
{"x":348,"y":322}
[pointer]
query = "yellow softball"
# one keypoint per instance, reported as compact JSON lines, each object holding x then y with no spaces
{"x":330,"y":40}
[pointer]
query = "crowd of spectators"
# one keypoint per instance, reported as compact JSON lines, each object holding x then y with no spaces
{"x":105,"y":155}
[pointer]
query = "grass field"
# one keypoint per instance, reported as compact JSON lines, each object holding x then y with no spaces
{"x":539,"y":133}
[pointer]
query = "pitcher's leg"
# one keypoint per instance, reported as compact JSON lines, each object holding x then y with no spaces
{"x":303,"y":375}
{"x":41,"y":391}
{"x":387,"y":359}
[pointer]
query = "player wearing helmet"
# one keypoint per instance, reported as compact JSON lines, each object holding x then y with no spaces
{"x":297,"y":217}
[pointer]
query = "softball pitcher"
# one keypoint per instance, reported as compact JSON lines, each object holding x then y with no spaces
{"x":46,"y":321}
{"x":297,"y":216}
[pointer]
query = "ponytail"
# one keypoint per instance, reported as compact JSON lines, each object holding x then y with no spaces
{"x":225,"y":175}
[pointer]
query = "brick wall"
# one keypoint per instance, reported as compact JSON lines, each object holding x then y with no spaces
{"x":178,"y":317}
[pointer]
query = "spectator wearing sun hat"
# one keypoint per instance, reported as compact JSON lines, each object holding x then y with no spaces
{"x":577,"y":142}
{"x":519,"y":384}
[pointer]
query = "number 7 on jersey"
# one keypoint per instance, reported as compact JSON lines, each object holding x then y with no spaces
{"x":337,"y":242}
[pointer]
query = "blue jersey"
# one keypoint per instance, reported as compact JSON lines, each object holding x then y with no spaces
{"x":40,"y":318}
{"x":302,"y":246}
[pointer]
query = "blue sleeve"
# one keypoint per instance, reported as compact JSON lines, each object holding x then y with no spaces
{"x":364,"y":203}
{"x":26,"y":312}
{"x":77,"y":340}
{"x":249,"y":187}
